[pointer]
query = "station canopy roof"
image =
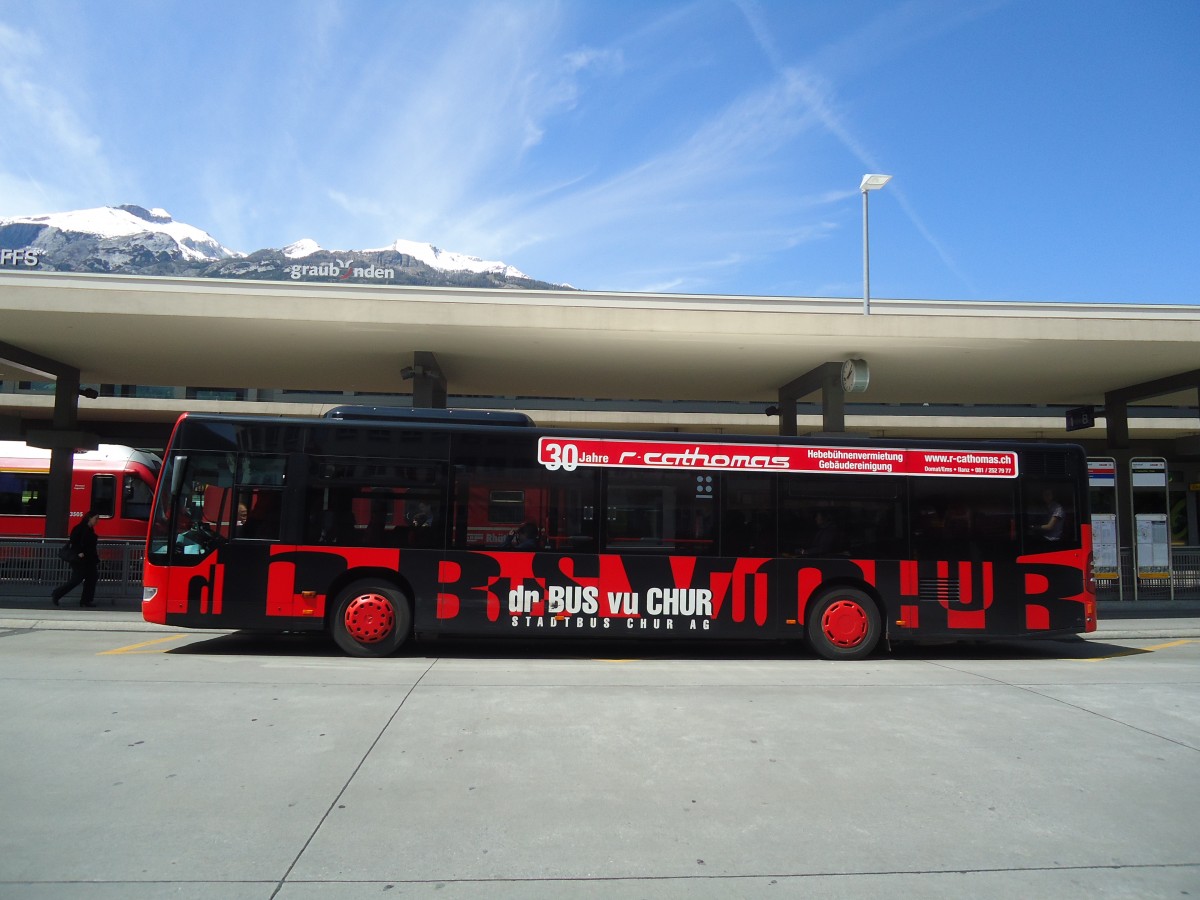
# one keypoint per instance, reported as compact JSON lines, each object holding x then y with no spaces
{"x":575,"y":344}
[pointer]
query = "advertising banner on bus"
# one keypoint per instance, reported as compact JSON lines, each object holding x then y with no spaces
{"x":570,"y":453}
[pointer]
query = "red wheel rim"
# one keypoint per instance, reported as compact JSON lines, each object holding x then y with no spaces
{"x":845,"y":624}
{"x":370,"y":618}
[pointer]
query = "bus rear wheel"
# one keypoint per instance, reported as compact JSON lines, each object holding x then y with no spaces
{"x":844,"y":624}
{"x":371,"y":619}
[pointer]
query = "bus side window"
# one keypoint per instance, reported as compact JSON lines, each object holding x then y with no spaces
{"x":964,"y":518}
{"x":859,"y":516}
{"x":502,"y":500}
{"x":492,"y":503}
{"x":263,"y":507}
{"x":104,"y":494}
{"x":259,"y":504}
{"x":374,"y":502}
{"x":748,"y":516}
{"x":661,"y":512}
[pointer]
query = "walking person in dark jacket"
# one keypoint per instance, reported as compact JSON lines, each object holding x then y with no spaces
{"x":85,"y":561}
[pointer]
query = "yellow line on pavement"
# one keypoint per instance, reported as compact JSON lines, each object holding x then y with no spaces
{"x":1134,"y":651}
{"x":1171,"y":644}
{"x":137,"y":648}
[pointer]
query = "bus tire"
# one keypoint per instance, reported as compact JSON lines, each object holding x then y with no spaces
{"x":844,"y":623}
{"x":370,"y":619}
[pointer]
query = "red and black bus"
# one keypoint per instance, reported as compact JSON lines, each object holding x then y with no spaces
{"x":117,"y":481}
{"x":377,"y":525}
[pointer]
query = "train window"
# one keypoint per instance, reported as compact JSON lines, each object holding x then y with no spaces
{"x":104,"y":495}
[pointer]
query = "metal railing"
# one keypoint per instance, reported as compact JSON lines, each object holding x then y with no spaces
{"x":30,"y":567}
{"x":1183,"y":584}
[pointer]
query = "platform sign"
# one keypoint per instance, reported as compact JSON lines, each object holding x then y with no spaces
{"x":1153,"y":545}
{"x":1149,"y":500}
{"x":1106,"y":533}
{"x":1102,"y":472}
{"x":1081,"y":417}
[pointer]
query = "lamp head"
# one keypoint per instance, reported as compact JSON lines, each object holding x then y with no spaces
{"x":873,"y":182}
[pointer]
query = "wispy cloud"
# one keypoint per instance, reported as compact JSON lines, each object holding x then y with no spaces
{"x":558,"y":90}
{"x":886,"y":35}
{"x":681,"y":145}
{"x":41,"y":119}
{"x":707,"y":179}
{"x":440,"y":124}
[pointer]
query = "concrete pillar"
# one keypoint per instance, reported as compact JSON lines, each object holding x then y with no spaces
{"x":825,"y":378}
{"x":62,"y":459}
{"x":1116,"y":422}
{"x":429,"y":382}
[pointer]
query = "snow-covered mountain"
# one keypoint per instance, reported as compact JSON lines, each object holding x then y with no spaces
{"x":449,"y":261}
{"x":119,"y":223}
{"x":434,"y":257}
{"x":133,"y":240}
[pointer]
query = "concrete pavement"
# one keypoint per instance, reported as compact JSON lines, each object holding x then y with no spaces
{"x":236,"y":767}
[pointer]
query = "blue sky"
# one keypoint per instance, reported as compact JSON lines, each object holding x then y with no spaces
{"x":1041,"y":149}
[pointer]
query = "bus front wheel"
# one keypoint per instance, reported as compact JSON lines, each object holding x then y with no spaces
{"x":844,"y":624}
{"x":371,"y":619}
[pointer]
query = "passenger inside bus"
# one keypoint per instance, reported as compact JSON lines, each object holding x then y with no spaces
{"x":825,"y":539}
{"x":332,"y":526}
{"x":195,"y":534}
{"x":239,"y":523}
{"x":523,"y":537}
{"x":423,"y":517}
{"x":1051,"y":529}
{"x":422,"y":526}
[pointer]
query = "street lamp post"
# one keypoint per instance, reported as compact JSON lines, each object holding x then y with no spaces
{"x":869,"y":183}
